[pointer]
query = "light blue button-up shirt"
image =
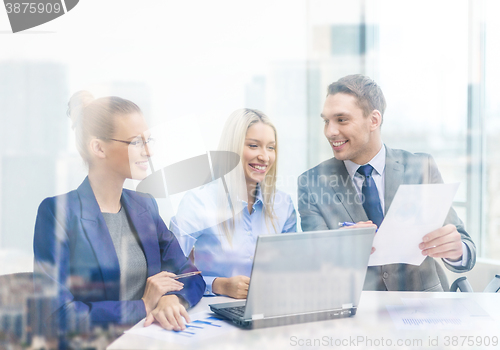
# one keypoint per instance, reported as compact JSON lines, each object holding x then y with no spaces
{"x":196,"y":225}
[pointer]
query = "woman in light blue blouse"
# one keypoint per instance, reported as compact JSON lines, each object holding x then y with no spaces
{"x":222,"y":220}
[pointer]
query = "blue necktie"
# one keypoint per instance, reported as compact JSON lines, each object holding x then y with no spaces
{"x":371,"y":202}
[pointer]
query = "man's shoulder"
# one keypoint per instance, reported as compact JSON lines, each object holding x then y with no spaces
{"x":406,"y":157}
{"x":325,"y":167}
{"x":330,"y":166}
{"x":405,"y":154}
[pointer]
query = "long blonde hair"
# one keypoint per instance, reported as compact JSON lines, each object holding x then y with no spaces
{"x":233,"y":139}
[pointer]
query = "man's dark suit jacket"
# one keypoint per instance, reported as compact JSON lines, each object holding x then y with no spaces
{"x":327,"y":196}
{"x":74,"y":250}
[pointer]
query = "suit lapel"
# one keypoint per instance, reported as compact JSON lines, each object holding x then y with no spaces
{"x":99,"y":238}
{"x":145,"y":227}
{"x":345,"y":192}
{"x":394,"y":172}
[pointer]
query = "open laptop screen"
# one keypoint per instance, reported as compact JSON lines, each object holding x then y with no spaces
{"x":310,"y":271}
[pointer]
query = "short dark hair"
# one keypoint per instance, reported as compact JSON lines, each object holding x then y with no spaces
{"x":368,"y":94}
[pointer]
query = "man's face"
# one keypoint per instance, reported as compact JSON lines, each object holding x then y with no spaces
{"x":351,"y":135}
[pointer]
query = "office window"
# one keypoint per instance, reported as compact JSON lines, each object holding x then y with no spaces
{"x":441,"y":79}
{"x":423,"y":71}
{"x":280,"y":64}
{"x":491,"y":199}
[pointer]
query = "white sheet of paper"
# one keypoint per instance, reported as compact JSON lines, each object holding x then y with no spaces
{"x":439,"y":313}
{"x":203,"y":325}
{"x":415,"y":211}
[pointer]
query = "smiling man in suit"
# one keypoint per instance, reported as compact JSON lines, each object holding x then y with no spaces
{"x":360,"y":182}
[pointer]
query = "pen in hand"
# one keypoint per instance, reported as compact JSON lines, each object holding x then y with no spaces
{"x":187,"y":274}
{"x":346,"y":224}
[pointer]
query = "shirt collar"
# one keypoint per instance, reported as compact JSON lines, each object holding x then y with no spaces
{"x":258,"y":197}
{"x":377,"y":162}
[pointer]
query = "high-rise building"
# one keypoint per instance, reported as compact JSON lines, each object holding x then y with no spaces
{"x":33,"y":100}
{"x":255,"y":93}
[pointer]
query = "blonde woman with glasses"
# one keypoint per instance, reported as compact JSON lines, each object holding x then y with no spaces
{"x":218,"y":224}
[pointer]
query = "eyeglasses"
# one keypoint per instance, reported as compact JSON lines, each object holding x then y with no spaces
{"x":137,"y":143}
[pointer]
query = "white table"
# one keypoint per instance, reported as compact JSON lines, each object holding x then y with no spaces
{"x":372,"y":327}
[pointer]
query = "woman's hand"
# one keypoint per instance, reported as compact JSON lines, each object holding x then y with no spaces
{"x":235,"y":287}
{"x":157,"y":286}
{"x":168,"y":313}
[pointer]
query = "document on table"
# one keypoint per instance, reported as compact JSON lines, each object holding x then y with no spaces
{"x":203,"y":325}
{"x":415,"y":211}
{"x":438,"y":313}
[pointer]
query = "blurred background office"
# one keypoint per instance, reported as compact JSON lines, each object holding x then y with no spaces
{"x":189,"y":64}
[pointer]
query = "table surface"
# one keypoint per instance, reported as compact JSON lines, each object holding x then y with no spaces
{"x":372,"y":327}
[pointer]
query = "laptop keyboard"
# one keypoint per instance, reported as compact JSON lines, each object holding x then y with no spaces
{"x":236,"y":310}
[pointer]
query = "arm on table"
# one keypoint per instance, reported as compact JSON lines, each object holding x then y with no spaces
{"x":234,"y":287}
{"x":173,"y":305}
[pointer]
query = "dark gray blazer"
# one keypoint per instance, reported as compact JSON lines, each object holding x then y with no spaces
{"x":327,"y":196}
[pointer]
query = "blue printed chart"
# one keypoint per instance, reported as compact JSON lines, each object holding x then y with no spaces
{"x":424,"y":313}
{"x":203,"y":325}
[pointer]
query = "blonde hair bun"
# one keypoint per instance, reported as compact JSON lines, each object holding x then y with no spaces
{"x":76,"y":104}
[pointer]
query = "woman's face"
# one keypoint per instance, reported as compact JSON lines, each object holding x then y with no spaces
{"x":129,"y":161}
{"x":258,"y":152}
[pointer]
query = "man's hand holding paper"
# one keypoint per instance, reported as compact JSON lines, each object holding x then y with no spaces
{"x":445,"y":242}
{"x":412,"y":227}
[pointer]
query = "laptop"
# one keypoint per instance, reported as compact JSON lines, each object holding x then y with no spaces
{"x":303,"y":277}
